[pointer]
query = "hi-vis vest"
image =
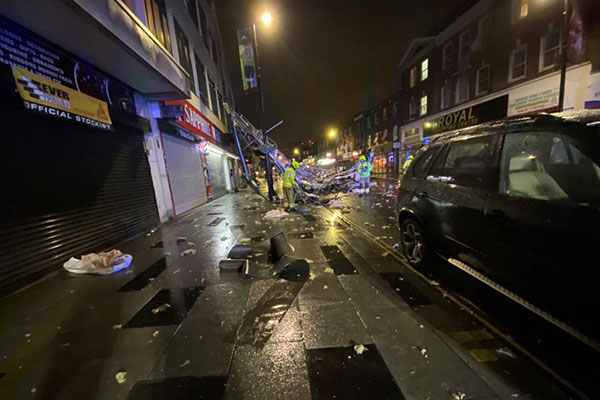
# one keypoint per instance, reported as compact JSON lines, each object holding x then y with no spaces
{"x":288,"y":177}
{"x":364,"y":169}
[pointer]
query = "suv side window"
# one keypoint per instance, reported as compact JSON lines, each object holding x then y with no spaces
{"x":548,"y":166}
{"x":423,"y":162}
{"x":469,"y":162}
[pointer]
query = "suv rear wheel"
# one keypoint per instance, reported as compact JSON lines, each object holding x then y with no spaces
{"x":414,"y":245}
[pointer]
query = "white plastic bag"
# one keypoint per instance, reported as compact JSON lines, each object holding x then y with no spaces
{"x":101,"y":264}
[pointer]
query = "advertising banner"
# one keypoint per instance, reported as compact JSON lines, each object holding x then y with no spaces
{"x":468,"y":116}
{"x":24,"y":49}
{"x":51,"y":98}
{"x":247,"y":60}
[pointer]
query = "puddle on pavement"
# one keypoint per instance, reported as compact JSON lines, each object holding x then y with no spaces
{"x":405,"y":289}
{"x":216,"y":221}
{"x":364,"y":376}
{"x":145,"y":277}
{"x":189,"y":387}
{"x":167,"y":307}
{"x":338,"y":261}
{"x":259,"y":324}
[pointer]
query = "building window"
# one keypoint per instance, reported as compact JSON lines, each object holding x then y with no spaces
{"x":203,"y":25}
{"x":183,"y":48}
{"x":462,"y":89}
{"x":214,"y":107}
{"x":424,"y":69}
{"x":412,"y":108}
{"x":200,"y":73}
{"x":413,"y":77}
{"x":376,"y":118}
{"x":192,"y":10}
{"x":385,"y":114}
{"x":368,"y":122}
{"x":464,"y":49}
{"x":447,"y":56}
{"x":395,"y":109}
{"x":447,"y":95}
{"x":156,"y":15}
{"x":483,"y":80}
{"x":523,"y":8}
{"x":518,"y":63}
{"x":485,"y":29}
{"x":423,"y":105}
{"x":549,"y":49}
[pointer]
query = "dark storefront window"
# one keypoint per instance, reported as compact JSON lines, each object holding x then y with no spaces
{"x":201,"y":81}
{"x":183,"y":48}
{"x":213,"y":97}
{"x":192,"y":10}
{"x":156,"y":15}
{"x":203,"y":26}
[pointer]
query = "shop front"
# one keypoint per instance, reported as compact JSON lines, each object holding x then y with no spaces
{"x":209,"y":168}
{"x":76,"y":175}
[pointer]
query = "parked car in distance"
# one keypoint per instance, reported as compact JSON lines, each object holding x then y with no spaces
{"x":516,"y":201}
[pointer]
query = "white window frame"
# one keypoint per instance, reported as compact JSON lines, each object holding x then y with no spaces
{"x":446,"y":62}
{"x":511,"y":66}
{"x":478,"y":90}
{"x":412,"y":79}
{"x":480,"y":30}
{"x":457,"y":98}
{"x":412,"y":109}
{"x":544,"y":50}
{"x":423,"y":108}
{"x":446,"y":87}
{"x":424,"y":69}
{"x":462,"y":61}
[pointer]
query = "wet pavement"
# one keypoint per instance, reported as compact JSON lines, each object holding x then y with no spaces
{"x":348,"y":322}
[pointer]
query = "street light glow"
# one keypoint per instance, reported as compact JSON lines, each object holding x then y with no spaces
{"x":296,"y":151}
{"x":332,"y":133}
{"x":266,"y":18}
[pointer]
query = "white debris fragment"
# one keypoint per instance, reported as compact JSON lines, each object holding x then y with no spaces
{"x":308,"y":260}
{"x":423,"y":352}
{"x":311,"y":276}
{"x":329,"y":270}
{"x":64,"y":345}
{"x":396,"y":246}
{"x":121,"y":377}
{"x":176,"y":271}
{"x":33,"y":390}
{"x":167,"y":253}
{"x":359,"y":349}
{"x":188,"y":251}
{"x":377,"y":237}
{"x":385,"y":254}
{"x":224,"y":238}
{"x":28,"y":335}
{"x":275,"y":214}
{"x":434,"y":283}
{"x":458,"y":396}
{"x":245,"y":240}
{"x":155,"y":333}
{"x":506,"y":352}
{"x":162,"y":308}
{"x":117,"y":326}
{"x":185,"y":364}
{"x":385,"y":227}
{"x":191,"y":244}
{"x":325,"y":287}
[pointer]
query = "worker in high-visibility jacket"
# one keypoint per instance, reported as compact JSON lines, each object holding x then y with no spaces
{"x":364,"y":175}
{"x":407,"y":162}
{"x":289,"y":183}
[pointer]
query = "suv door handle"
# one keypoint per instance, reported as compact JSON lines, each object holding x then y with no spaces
{"x":495,"y":212}
{"x":423,"y":195}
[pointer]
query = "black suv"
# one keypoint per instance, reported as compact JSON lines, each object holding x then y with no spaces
{"x":516,"y":201}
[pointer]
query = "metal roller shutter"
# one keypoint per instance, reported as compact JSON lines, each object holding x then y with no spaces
{"x":216,"y":174}
{"x":68,"y":190}
{"x":185,"y":172}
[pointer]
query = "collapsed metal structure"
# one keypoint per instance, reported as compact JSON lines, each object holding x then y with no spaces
{"x":314,"y":184}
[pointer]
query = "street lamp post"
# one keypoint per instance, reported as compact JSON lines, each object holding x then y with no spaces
{"x":563,"y":56}
{"x":266,"y":18}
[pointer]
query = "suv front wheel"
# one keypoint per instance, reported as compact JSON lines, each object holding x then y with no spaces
{"x":414,"y":245}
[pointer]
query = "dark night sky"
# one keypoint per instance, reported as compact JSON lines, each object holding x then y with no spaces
{"x":325,"y":60}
